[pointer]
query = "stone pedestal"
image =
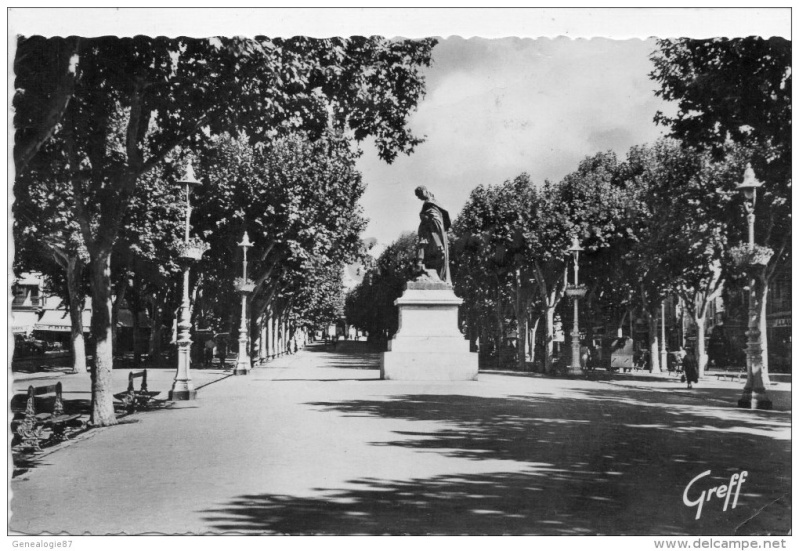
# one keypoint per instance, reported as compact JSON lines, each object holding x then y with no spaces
{"x":428,"y":345}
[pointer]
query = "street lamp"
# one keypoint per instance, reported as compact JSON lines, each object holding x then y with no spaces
{"x":749,"y":188}
{"x":575,"y":291}
{"x":664,"y":356}
{"x":753,"y":259}
{"x":243,"y":286}
{"x":190,"y":251}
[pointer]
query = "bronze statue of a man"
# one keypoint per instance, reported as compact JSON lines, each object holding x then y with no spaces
{"x":432,"y":250}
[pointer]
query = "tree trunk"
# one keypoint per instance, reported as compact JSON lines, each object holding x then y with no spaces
{"x":701,"y":347}
{"x":501,"y":336}
{"x":102,"y":394}
{"x":156,"y":330}
{"x":284,"y":347}
{"x":484,"y":344}
{"x":530,"y":341}
{"x":270,"y":337}
{"x":763,"y":324}
{"x":533,"y":334}
{"x":754,"y":393}
{"x":620,"y":327}
{"x":632,"y":323}
{"x":76,"y":302}
{"x":654,"y":350}
{"x":521,"y":323}
{"x":278,"y":336}
{"x":521,"y":345}
{"x":115,"y":305}
{"x":263,"y":352}
{"x":253,"y":340}
{"x":136,"y":335}
{"x":473,"y":335}
{"x":549,"y":337}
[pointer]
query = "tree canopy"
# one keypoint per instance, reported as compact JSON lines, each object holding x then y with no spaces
{"x":736,"y":91}
{"x":298,"y":202}
{"x":121,"y":106}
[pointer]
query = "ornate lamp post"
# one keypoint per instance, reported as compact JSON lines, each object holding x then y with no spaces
{"x":753,"y":259}
{"x":575,"y":291}
{"x":190,"y":251}
{"x":243,"y":286}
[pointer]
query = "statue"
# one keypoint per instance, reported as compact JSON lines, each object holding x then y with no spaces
{"x":428,"y":344}
{"x":432,"y":250}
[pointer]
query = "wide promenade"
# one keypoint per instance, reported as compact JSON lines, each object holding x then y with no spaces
{"x":315,"y":443}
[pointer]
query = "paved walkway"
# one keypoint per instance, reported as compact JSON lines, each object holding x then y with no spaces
{"x":316,"y":443}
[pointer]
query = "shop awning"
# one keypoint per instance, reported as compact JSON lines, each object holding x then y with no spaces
{"x":779,"y":319}
{"x":58,"y":320}
{"x":28,"y":279}
{"x":22,"y":322}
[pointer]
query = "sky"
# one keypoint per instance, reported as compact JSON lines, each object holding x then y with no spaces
{"x":494,"y":108}
{"x":497,"y":108}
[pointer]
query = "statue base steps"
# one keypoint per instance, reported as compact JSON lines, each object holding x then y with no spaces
{"x":428,"y":345}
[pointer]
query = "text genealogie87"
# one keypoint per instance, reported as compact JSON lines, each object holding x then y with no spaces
{"x":39,"y":544}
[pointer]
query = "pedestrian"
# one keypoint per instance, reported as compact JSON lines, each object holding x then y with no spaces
{"x":221,"y":351}
{"x":585,"y":357}
{"x":596,"y":356}
{"x":208,"y":357}
{"x":643,"y":360}
{"x":680,"y":359}
{"x":690,"y":368}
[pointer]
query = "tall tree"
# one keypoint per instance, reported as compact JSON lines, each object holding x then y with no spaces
{"x":47,"y":239}
{"x":174,"y":91}
{"x":491,"y":261}
{"x":298,"y":201}
{"x":649,"y":271}
{"x":597,"y":203}
{"x":370,"y":305}
{"x":46,"y":69}
{"x":738,"y":90}
{"x":588,"y":204}
{"x":691,"y":232}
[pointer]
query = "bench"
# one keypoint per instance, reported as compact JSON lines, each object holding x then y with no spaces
{"x":741,"y":373}
{"x":31,"y":427}
{"x":131,"y":399}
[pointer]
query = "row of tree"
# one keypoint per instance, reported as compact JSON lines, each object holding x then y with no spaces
{"x":661,"y":222}
{"x":104,"y":127}
{"x":651,"y":226}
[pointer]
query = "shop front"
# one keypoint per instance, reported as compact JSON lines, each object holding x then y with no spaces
{"x":779,"y":342}
{"x":55,"y":328}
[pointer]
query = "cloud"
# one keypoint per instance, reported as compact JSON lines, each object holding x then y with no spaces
{"x":496,"y":108}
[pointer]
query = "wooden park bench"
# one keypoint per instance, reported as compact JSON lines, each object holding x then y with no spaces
{"x":132,"y":399}
{"x":30,"y":429}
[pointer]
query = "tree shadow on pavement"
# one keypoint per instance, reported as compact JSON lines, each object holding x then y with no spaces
{"x":347,"y":355}
{"x":492,"y":504}
{"x":305,"y":380}
{"x":584,"y":461}
{"x":23,"y":463}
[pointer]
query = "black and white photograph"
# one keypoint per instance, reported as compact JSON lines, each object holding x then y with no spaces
{"x":406,"y":272}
